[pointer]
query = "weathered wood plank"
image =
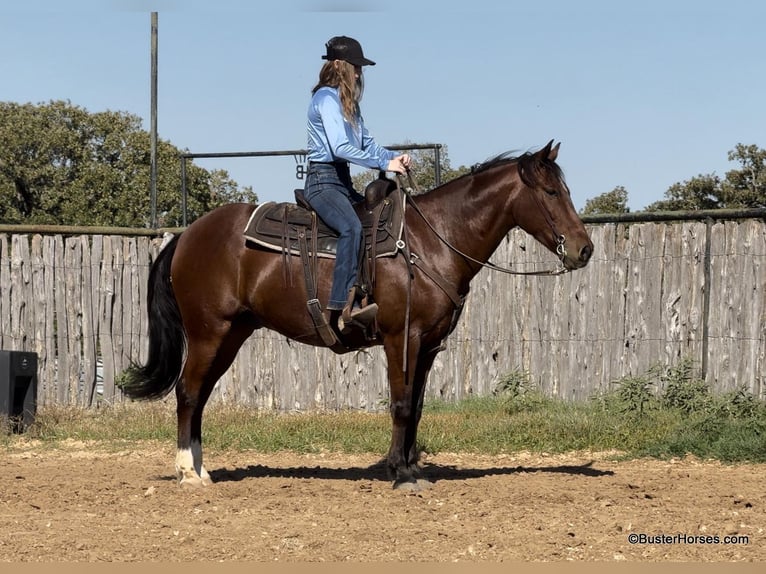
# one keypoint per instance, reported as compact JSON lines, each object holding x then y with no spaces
{"x":73,"y":309}
{"x":118,"y":331}
{"x":19,"y":305}
{"x":39,"y":305}
{"x":61,"y":321}
{"x":105,"y":319}
{"x":89,"y":347}
{"x":5,"y":292}
{"x":736,"y":327}
{"x":96,"y":258}
{"x":48,"y":371}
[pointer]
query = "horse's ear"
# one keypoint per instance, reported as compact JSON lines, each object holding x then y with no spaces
{"x":546,"y":151}
{"x":553,"y":153}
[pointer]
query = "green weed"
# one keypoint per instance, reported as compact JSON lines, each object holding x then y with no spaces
{"x":665,"y":412}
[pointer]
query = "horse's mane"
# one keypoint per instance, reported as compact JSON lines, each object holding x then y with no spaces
{"x":500,"y":159}
{"x":531,"y":167}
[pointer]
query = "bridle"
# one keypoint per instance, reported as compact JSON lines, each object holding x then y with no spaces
{"x":412,"y":258}
{"x":560,"y":239}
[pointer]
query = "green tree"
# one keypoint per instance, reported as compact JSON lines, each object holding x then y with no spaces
{"x":60,"y":164}
{"x":742,"y":188}
{"x":700,"y":192}
{"x":746,"y":187}
{"x":615,"y":201}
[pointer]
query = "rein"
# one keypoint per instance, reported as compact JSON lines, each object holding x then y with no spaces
{"x":560,"y":239}
{"x":413,"y":259}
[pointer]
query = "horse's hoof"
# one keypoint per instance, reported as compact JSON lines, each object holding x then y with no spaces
{"x":413,"y":485}
{"x":193,"y":481}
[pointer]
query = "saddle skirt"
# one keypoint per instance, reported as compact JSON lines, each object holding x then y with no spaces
{"x":282,"y":226}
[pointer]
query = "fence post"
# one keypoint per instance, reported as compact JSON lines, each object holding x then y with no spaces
{"x":706,"y":296}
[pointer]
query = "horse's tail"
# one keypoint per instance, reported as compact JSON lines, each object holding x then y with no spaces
{"x":167,"y":340}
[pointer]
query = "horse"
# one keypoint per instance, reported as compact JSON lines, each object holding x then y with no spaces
{"x":210,"y":289}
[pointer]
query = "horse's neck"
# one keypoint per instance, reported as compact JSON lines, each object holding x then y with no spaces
{"x":471,"y":214}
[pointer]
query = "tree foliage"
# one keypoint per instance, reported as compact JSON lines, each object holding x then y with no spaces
{"x":60,"y":164}
{"x":615,"y":201}
{"x":700,"y":192}
{"x":741,"y":188}
{"x":746,"y":187}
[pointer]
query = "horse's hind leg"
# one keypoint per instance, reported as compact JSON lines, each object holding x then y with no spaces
{"x":191,"y":396}
{"x":207,"y":360}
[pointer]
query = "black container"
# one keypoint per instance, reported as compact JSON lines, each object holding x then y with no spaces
{"x":18,"y":389}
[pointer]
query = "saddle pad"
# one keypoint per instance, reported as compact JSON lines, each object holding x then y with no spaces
{"x":277,"y":226}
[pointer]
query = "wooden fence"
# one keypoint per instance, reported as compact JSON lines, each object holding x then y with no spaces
{"x":654,"y":293}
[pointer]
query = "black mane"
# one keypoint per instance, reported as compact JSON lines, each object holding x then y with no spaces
{"x":499,"y":159}
{"x":531,"y":169}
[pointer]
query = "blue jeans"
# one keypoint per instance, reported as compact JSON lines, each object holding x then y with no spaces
{"x":331,"y":194}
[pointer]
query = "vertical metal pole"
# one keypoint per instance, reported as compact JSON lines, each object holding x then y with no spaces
{"x":153,"y":134}
{"x":437,"y":166}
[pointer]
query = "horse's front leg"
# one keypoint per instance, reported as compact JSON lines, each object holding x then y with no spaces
{"x":405,"y":397}
{"x":423,"y":367}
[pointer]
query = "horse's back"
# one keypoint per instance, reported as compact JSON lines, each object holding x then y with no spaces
{"x":218,"y":230}
{"x":209,"y":250}
{"x":223,"y":220}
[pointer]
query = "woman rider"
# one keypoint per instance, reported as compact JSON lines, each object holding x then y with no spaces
{"x":337,"y":136}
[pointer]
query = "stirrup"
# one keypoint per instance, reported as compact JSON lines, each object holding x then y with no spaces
{"x":362,"y":317}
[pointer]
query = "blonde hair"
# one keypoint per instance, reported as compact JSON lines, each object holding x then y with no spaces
{"x":340,"y":74}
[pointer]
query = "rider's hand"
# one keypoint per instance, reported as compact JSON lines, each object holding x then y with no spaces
{"x":400,"y":164}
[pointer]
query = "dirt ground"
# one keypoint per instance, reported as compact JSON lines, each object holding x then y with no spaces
{"x":88,"y":503}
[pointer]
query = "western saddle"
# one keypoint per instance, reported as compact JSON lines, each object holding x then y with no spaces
{"x":294,"y":229}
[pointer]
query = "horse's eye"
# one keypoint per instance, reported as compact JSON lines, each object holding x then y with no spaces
{"x":552,"y":192}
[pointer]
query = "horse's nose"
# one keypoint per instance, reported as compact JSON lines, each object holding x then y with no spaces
{"x":585,"y":253}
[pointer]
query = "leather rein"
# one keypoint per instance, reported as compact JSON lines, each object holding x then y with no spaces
{"x":412,"y":259}
{"x":561,"y":251}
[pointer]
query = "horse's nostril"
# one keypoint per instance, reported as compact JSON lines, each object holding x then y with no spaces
{"x":586,"y":252}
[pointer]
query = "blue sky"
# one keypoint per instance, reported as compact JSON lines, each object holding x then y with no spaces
{"x":642,"y":95}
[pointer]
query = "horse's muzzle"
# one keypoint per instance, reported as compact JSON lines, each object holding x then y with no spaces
{"x":583,"y":256}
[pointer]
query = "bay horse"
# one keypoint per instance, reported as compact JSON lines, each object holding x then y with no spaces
{"x":209,"y":289}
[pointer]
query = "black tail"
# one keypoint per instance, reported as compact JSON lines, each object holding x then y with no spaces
{"x":167,"y":340}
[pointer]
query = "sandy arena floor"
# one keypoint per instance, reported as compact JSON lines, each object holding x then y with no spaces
{"x":88,"y":503}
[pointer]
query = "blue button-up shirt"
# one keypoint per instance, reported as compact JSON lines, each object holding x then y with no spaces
{"x":332,"y":138}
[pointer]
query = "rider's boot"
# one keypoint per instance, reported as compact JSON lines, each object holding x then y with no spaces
{"x":354,"y":314}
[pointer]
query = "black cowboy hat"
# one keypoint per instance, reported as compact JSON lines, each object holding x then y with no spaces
{"x":346,"y":49}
